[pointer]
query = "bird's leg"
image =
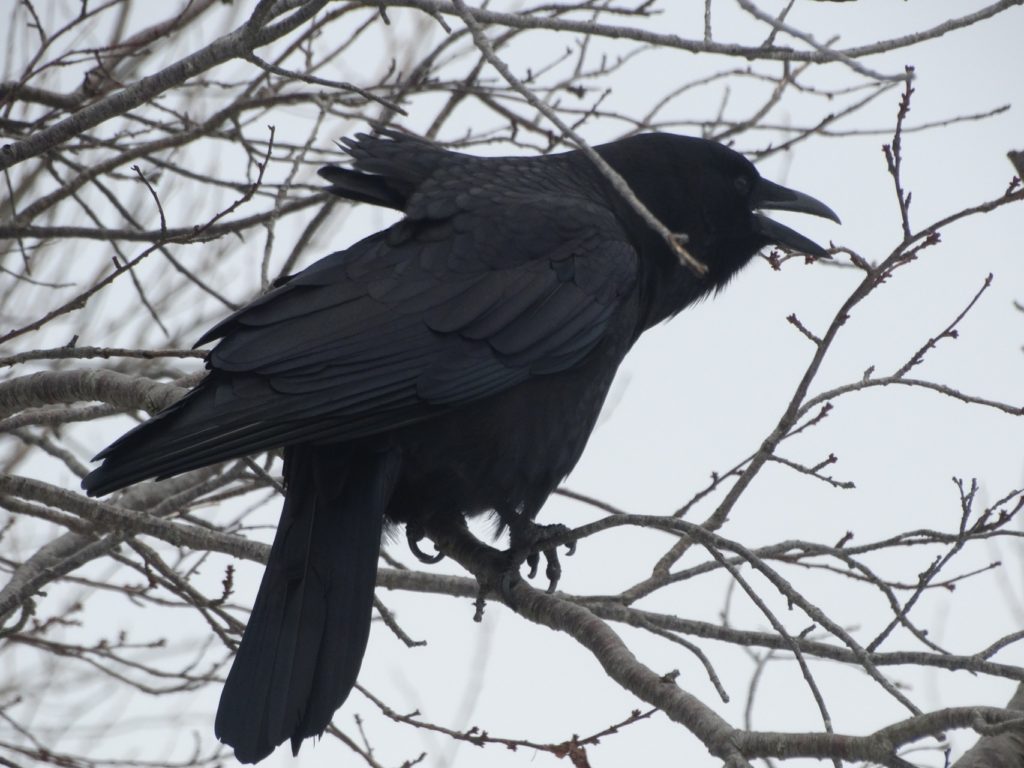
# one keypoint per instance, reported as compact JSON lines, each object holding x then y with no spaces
{"x":414,"y":534}
{"x":493,"y":569}
{"x":528,"y":540}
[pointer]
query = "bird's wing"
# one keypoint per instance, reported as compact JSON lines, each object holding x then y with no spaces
{"x":457,"y":304}
{"x":439,"y":310}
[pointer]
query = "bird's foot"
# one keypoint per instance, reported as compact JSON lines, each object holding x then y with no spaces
{"x":529,"y":540}
{"x":495,"y":570}
{"x":414,"y":534}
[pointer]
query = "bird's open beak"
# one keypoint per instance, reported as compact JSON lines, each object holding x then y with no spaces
{"x":770,"y":196}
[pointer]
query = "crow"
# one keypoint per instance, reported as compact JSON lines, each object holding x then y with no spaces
{"x":450,"y":365}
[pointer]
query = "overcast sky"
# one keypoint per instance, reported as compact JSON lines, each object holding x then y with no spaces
{"x":700,"y":393}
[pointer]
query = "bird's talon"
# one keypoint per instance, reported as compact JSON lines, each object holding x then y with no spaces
{"x":533,"y":561}
{"x":532,"y":539}
{"x":414,"y":535}
{"x":553,"y":570}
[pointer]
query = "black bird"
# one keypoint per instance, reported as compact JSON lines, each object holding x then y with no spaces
{"x":452,"y":364}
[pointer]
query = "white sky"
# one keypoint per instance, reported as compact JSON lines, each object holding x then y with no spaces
{"x":701,"y":392}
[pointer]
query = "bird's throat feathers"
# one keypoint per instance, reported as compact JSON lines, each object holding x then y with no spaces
{"x":668,"y":288}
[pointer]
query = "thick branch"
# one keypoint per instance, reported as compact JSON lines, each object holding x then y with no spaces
{"x":999,"y":750}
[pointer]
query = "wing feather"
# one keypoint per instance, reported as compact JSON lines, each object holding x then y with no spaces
{"x":408,"y":323}
{"x":445,"y":335}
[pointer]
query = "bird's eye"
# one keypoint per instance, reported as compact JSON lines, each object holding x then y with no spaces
{"x":742,"y":184}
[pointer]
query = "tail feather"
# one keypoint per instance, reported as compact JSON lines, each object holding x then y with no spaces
{"x":364,"y":187}
{"x":305,"y":640}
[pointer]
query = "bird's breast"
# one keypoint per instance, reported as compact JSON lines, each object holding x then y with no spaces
{"x":507,"y":452}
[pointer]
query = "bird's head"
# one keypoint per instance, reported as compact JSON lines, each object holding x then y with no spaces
{"x":715,"y":196}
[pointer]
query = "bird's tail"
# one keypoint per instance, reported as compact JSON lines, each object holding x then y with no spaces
{"x":305,"y":639}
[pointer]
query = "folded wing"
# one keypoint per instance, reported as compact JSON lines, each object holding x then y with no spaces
{"x":453,"y":304}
